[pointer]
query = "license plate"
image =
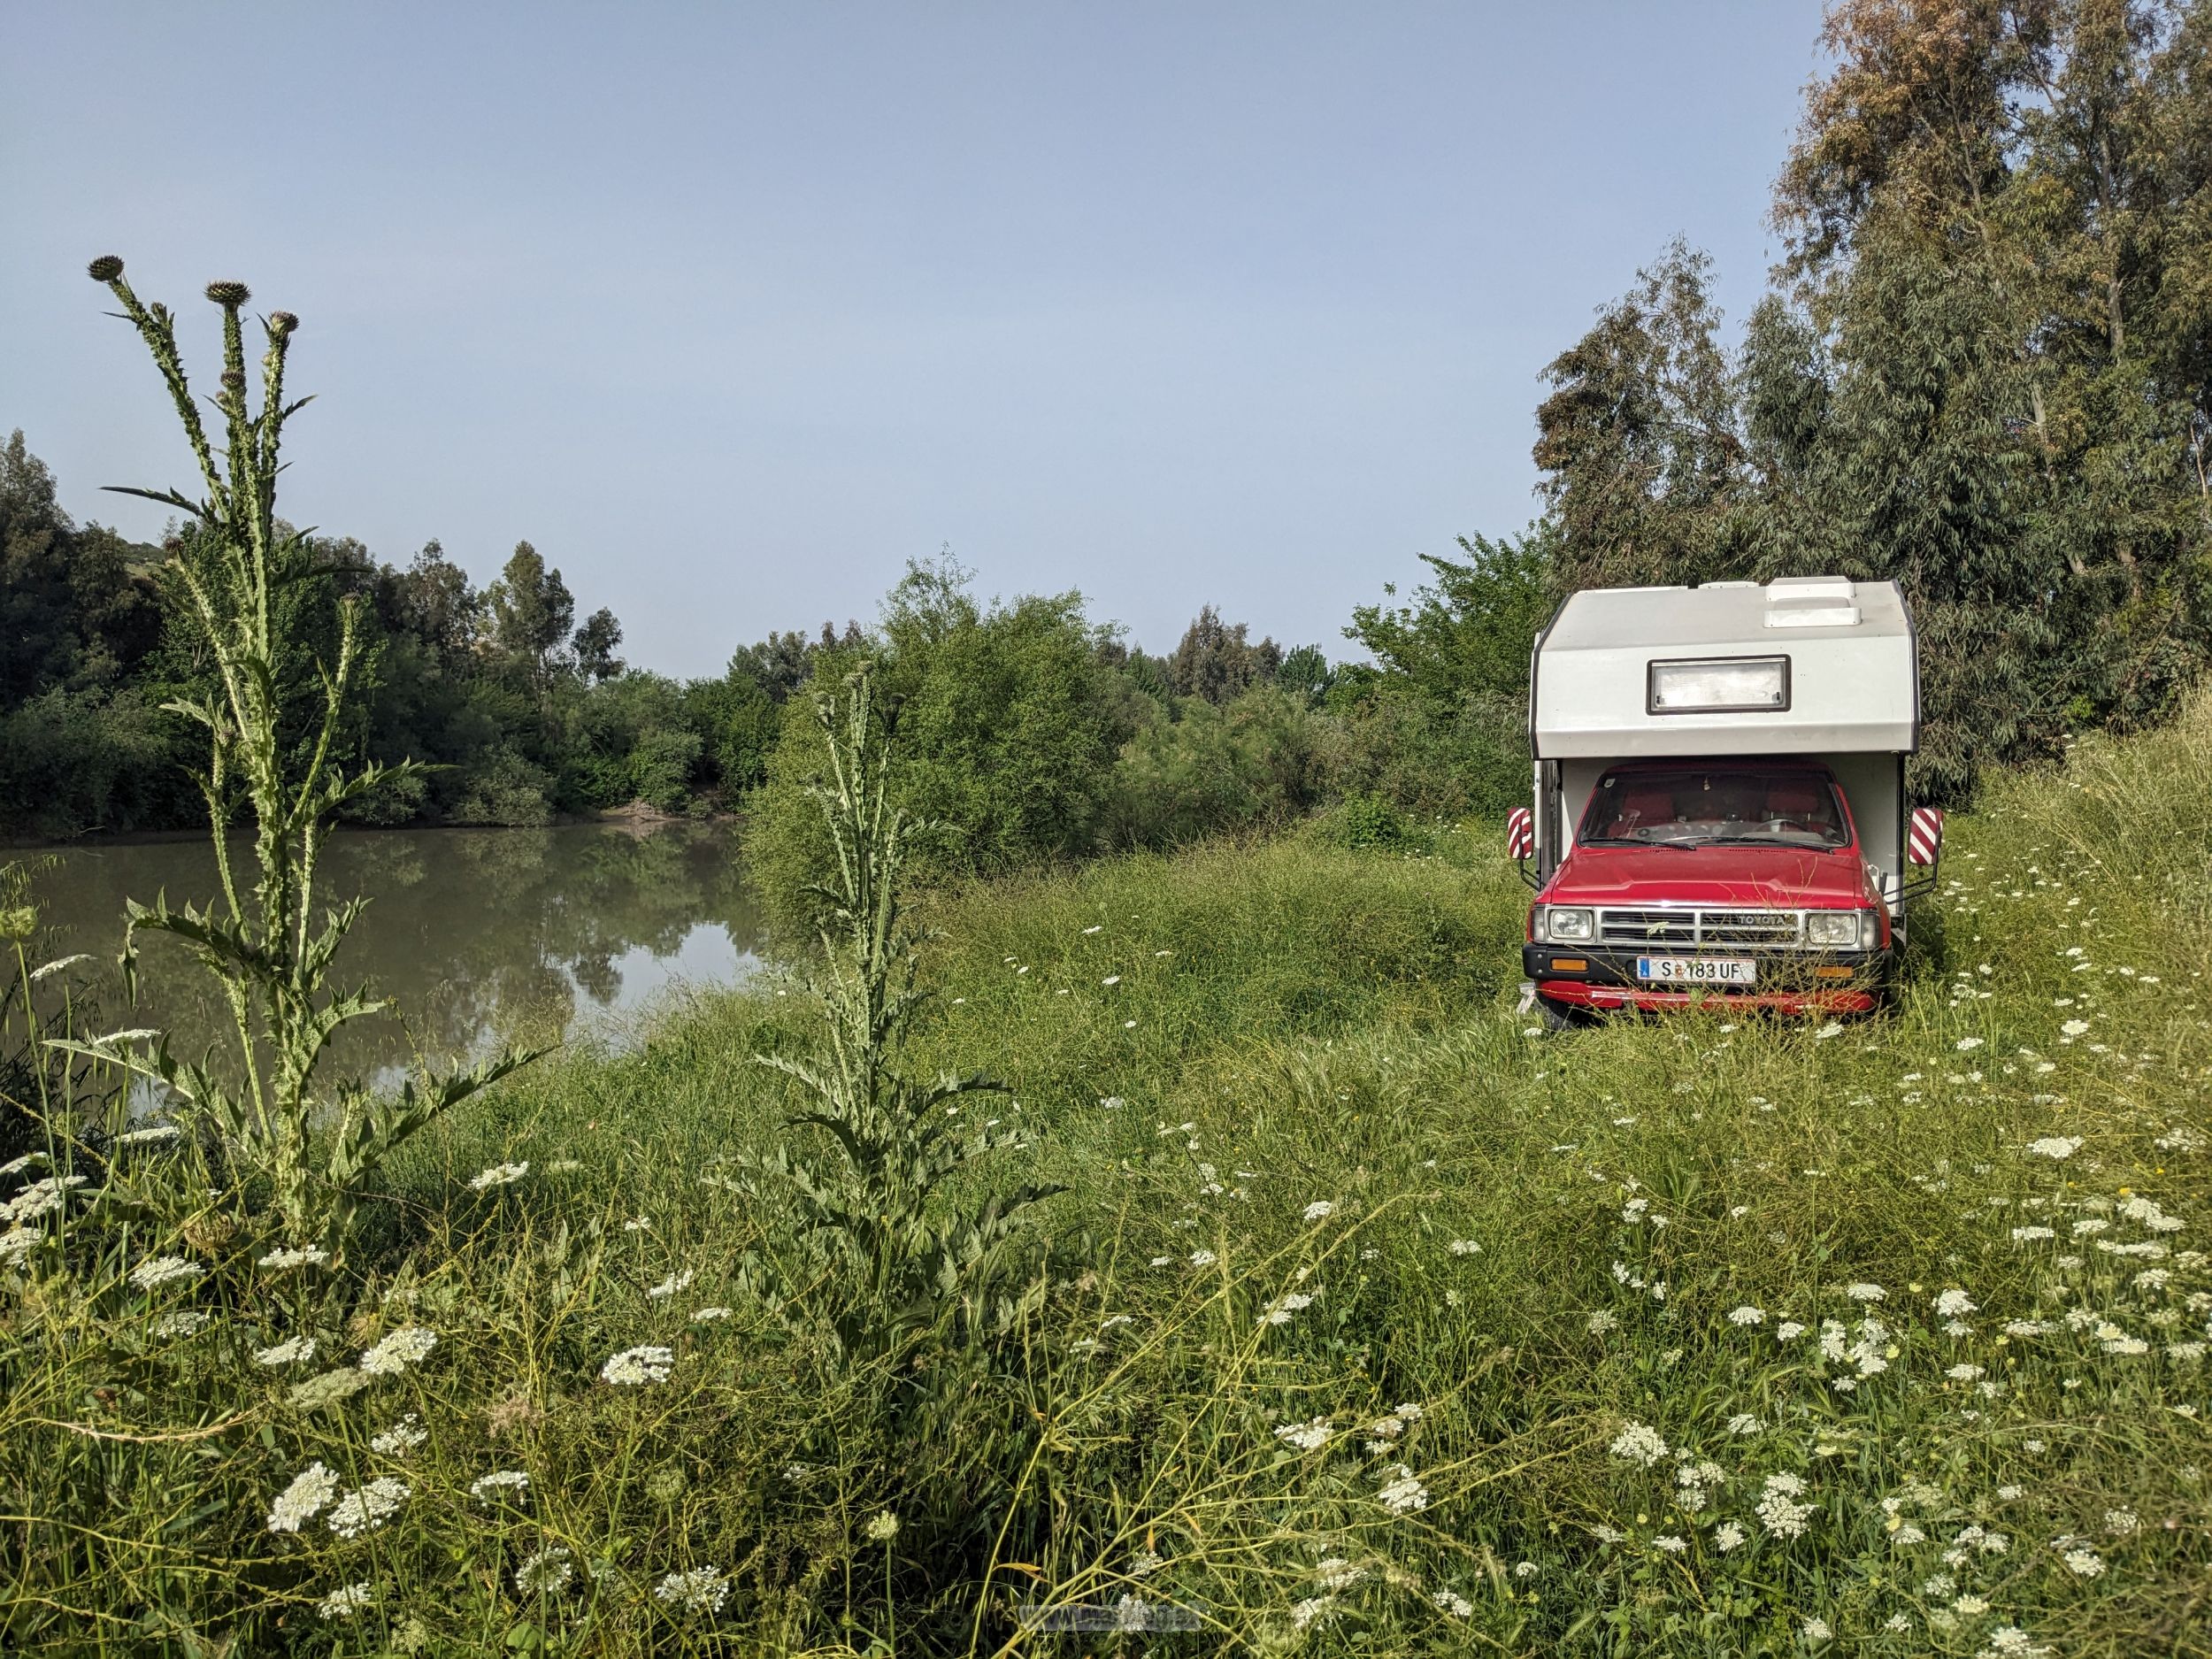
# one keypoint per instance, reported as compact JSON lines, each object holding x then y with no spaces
{"x":1698,"y":970}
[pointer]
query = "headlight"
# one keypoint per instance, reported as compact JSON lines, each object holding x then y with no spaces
{"x":1561,"y":925}
{"x":1832,"y":927}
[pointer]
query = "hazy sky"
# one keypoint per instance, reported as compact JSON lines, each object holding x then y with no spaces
{"x":732,"y":309}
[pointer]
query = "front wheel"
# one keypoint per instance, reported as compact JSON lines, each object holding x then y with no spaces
{"x":1559,"y":1016}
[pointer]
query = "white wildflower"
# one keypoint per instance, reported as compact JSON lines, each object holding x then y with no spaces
{"x":882,"y":1527}
{"x":1451,"y":1602}
{"x":1779,"y":1511}
{"x":701,"y":1590}
{"x":2084,"y":1562}
{"x":1403,"y":1494}
{"x":185,"y":1322}
{"x":311,"y":1489}
{"x":1465,"y":1247}
{"x":291,"y":1351}
{"x":148,"y":1136}
{"x":1639,"y":1443}
{"x":1729,"y":1535}
{"x":16,"y":1243}
{"x":401,"y":1439}
{"x":2054,"y":1147}
{"x":1307,"y":1437}
{"x":404,"y":1346}
{"x":164,"y":1270}
{"x":1865,"y":1292}
{"x":1816,"y":1630}
{"x":1278,"y":1311}
{"x":707,"y":1316}
{"x":670,"y":1286}
{"x":1744,"y":1423}
{"x":344,"y":1604}
{"x":1319,"y":1210}
{"x":365,"y":1510}
{"x":308,"y":1255}
{"x":483,"y":1486}
{"x":497,"y":1175}
{"x":1964,"y":1044}
{"x":1789,"y":1331}
{"x":1746,"y":1315}
{"x":1952,"y":1303}
{"x":544,"y":1572}
{"x":636,"y":1365}
{"x":1599,"y":1323}
{"x":1203,"y":1258}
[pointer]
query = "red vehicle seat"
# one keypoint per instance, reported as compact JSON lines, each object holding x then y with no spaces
{"x":1793,"y":801}
{"x":1647,"y":806}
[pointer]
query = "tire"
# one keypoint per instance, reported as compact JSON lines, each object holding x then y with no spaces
{"x":1558,"y":1016}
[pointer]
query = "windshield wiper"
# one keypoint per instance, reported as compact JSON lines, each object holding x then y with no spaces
{"x":1769,"y":840}
{"x":1624,"y":840}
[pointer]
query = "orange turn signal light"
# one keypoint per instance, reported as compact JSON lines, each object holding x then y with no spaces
{"x":1571,"y":964}
{"x":1833,"y":974}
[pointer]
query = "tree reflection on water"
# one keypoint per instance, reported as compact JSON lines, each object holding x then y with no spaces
{"x":471,"y":934}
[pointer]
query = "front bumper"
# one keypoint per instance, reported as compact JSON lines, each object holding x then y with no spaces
{"x":1807,"y":982}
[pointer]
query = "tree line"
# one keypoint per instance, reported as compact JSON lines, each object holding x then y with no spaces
{"x":1980,"y":371}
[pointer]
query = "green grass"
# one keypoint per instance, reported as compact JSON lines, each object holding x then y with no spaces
{"x":1288,"y":1024}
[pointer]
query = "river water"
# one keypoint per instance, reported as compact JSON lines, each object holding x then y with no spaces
{"x":475,"y":935}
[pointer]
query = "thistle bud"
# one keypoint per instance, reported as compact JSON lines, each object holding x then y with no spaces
{"x":229,"y":295}
{"x":106,"y":268}
{"x":233,"y":380}
{"x":282,"y":322}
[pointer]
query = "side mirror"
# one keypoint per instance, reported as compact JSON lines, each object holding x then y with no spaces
{"x":1520,"y":834}
{"x":1924,"y":836}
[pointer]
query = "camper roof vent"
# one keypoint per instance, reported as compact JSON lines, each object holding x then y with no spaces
{"x":1811,"y":601}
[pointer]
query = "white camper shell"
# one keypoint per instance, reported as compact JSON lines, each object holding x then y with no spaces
{"x":1819,"y":667}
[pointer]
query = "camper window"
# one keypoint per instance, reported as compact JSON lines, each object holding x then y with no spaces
{"x":1710,"y":806}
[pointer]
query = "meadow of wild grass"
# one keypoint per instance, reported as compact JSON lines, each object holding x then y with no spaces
{"x":1365,"y":1317}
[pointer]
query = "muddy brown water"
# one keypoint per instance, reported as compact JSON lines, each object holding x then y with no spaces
{"x":573,"y":932}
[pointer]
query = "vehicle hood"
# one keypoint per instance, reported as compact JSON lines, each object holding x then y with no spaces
{"x":1781,"y":877}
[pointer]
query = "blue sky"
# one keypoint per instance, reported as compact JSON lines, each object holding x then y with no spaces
{"x":732,"y":310}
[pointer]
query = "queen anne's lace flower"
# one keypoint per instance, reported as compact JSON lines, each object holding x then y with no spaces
{"x":1639,"y":1443}
{"x":311,"y":1489}
{"x":1952,"y":1303}
{"x":365,"y":1510}
{"x":483,"y":1486}
{"x":2054,"y":1147}
{"x":634,"y":1366}
{"x":277,"y":1260}
{"x":498,"y":1175}
{"x":1307,"y":1437}
{"x":701,"y":1590}
{"x":1320,"y":1210}
{"x":341,"y":1604}
{"x":401,"y":1439}
{"x":1403,"y":1494}
{"x":1777,"y":1509}
{"x":544,"y":1572}
{"x":407,"y":1346}
{"x":164,"y":1270}
{"x":291,"y":1351}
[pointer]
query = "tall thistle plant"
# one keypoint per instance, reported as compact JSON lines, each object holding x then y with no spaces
{"x":303,"y":1151}
{"x":899,"y":1255}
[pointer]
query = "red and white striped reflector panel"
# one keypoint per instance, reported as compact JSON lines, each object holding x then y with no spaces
{"x":1520,"y":832}
{"x":1923,"y":836}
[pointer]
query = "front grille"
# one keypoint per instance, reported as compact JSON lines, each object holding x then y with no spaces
{"x":1702,"y":929}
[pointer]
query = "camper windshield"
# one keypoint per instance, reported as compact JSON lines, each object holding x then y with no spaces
{"x":1708,"y":806}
